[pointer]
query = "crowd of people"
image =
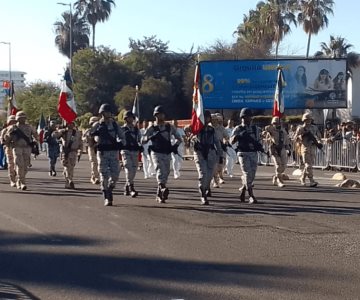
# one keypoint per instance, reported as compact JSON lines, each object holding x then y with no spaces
{"x":216,"y":149}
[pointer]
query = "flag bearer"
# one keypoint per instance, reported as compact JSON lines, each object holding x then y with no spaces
{"x":52,"y":146}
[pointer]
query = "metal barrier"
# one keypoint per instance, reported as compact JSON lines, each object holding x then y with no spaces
{"x":343,"y":154}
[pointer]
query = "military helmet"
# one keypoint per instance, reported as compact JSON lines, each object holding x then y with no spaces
{"x":128,"y":114}
{"x":245,"y":112}
{"x":11,"y":118}
{"x":20,"y":114}
{"x":306,"y":116}
{"x":275,"y":120}
{"x":207,"y":113}
{"x":158,"y":110}
{"x":104,"y":108}
{"x":93,"y":120}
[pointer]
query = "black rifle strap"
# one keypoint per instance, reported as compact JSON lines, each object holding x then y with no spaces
{"x":23,"y":136}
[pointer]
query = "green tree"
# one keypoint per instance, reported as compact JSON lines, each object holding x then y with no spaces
{"x":80,"y":34}
{"x":39,"y":98}
{"x":277,"y":16}
{"x":337,"y":47}
{"x":98,"y":75}
{"x":124,"y":99}
{"x":95,"y":11}
{"x":313,"y":16}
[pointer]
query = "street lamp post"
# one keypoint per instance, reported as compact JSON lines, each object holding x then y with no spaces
{"x":71,"y":44}
{"x":9,"y":44}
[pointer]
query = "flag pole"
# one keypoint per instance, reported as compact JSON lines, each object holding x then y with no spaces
{"x":137,"y":102}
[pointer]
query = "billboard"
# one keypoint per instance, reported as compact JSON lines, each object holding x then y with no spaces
{"x":310,"y":83}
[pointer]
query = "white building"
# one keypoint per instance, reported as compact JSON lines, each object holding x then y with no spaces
{"x":17,"y":76}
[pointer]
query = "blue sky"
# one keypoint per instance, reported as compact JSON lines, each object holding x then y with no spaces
{"x":28,"y":25}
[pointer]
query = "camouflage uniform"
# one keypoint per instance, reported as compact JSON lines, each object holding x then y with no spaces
{"x":247,"y":137}
{"x":71,"y":147}
{"x":21,"y":147}
{"x":110,"y":138}
{"x":310,"y":138}
{"x":130,"y":153}
{"x":279,"y":145}
{"x":91,"y":150}
{"x":160,"y":135}
{"x":8,"y":149}
{"x":53,"y":148}
{"x":207,"y":150}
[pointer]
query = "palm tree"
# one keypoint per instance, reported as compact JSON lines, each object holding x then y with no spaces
{"x":94,"y":11}
{"x":277,"y":15}
{"x":80,"y":33}
{"x":338,"y":48}
{"x":313,"y":16}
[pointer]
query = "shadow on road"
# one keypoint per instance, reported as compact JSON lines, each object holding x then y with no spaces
{"x":127,"y":276}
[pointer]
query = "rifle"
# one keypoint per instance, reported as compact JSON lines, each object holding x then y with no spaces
{"x":308,"y":134}
{"x":34,"y":146}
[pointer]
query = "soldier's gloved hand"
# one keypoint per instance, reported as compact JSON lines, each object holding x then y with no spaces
{"x":221,"y":160}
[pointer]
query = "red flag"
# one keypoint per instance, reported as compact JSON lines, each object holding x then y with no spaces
{"x":197,"y":115}
{"x":66,"y":106}
{"x":12,"y":108}
{"x":279,"y":106}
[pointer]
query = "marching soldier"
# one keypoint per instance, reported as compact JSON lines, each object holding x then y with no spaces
{"x":160,"y":135}
{"x":110,"y":140}
{"x":23,"y":138}
{"x":8,"y":149}
{"x":53,"y":147}
{"x":310,"y":139}
{"x":207,"y":152}
{"x":130,"y":153}
{"x":247,"y":136}
{"x":91,"y":150}
{"x":71,"y":149}
{"x":217,"y":122}
{"x":279,"y":144}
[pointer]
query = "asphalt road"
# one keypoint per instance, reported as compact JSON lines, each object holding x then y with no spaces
{"x":298,"y":243}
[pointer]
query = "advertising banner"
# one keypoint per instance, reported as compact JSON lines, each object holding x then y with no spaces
{"x":310,"y":83}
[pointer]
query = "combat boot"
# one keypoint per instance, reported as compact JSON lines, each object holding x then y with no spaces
{"x":242,"y":193}
{"x":12,"y":183}
{"x":159,"y":195}
{"x":133,"y":192}
{"x":279,"y":182}
{"x":50,"y":173}
{"x":252,"y":199}
{"x":164,"y":192}
{"x":67,"y":184}
{"x":204,"y":200}
{"x":208,"y":193}
{"x":126,"y":190}
{"x":302,"y":180}
{"x":313,"y":183}
{"x":274,"y":180}
{"x":23,"y":187}
{"x":71,"y":185}
{"x":107,"y":198}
